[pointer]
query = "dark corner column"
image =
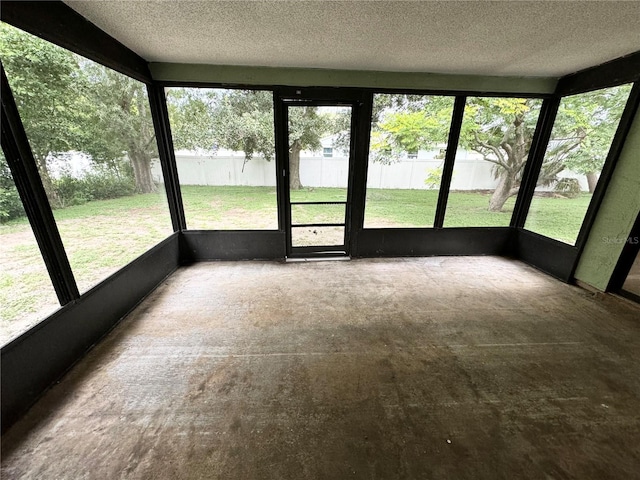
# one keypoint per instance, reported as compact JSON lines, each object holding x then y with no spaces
{"x":628,"y":256}
{"x":449,"y":159}
{"x":361,"y":136}
{"x":280,"y":135}
{"x":281,"y":122}
{"x":160,"y":115}
{"x":541,"y":137}
{"x":29,"y":185}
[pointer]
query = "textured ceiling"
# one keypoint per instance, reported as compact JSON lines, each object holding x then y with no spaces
{"x":543,"y":38}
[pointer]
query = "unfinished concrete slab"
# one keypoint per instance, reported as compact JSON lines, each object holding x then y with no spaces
{"x":420,"y":368}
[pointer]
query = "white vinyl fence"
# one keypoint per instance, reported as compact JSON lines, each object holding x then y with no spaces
{"x":470,"y":173}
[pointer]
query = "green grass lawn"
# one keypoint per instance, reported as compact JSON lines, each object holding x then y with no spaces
{"x":559,"y":218}
{"x":101,"y":237}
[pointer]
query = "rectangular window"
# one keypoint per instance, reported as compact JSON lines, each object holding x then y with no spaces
{"x":327,"y":152}
{"x":580,"y":141}
{"x":26,"y":293}
{"x":402,"y":189}
{"x":492,"y":152}
{"x":92,"y":137}
{"x":225,"y":152}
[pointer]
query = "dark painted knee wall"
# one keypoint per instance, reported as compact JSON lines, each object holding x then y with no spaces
{"x":34,"y":361}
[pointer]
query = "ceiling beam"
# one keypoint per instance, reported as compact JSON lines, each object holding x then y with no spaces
{"x":616,"y":72}
{"x":181,"y":73}
{"x":58,"y":23}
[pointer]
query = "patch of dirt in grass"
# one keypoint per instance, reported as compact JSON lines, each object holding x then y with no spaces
{"x":96,"y":246}
{"x":26,"y":293}
{"x":10,"y":242}
{"x":386,"y":223}
{"x":18,"y":235}
{"x":238,"y":218}
{"x":318,"y":236}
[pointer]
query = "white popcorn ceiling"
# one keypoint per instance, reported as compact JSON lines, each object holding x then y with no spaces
{"x":507,"y":38}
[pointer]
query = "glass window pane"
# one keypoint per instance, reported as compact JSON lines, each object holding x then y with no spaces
{"x":493,"y":149}
{"x":26,"y":293}
{"x":409,"y":135}
{"x":92,"y":136}
{"x":317,"y":236}
{"x":580,"y":140}
{"x":225,"y":153}
{"x":314,"y":176}
{"x":310,"y":213}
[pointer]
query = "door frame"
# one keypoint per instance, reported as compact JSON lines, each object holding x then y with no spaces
{"x":629,"y":253}
{"x":285,"y":97}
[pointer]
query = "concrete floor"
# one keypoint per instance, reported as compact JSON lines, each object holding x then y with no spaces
{"x":425,"y":368}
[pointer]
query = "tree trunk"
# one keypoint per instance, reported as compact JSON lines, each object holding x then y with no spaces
{"x":141,"y":163}
{"x":511,"y":165}
{"x":502,"y":193}
{"x":294,"y":166}
{"x":592,"y":181}
{"x":47,"y":183}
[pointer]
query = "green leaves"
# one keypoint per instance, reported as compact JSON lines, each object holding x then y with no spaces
{"x":584,"y":129}
{"x":408,"y":123}
{"x":240,"y":120}
{"x":412,"y":131}
{"x":207,"y":119}
{"x":307,"y":127}
{"x":68,"y":103}
{"x":43,"y":79}
{"x":243,"y":121}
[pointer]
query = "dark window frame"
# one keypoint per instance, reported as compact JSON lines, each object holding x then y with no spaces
{"x":22,"y":164}
{"x":27,"y":376}
{"x":31,"y":17}
{"x":15,"y":142}
{"x":167,"y":138}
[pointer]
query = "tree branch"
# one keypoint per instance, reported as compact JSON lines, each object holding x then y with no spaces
{"x":153,"y":137}
{"x":563,"y":150}
{"x":491,"y":160}
{"x":493,"y":149}
{"x":507,"y":148}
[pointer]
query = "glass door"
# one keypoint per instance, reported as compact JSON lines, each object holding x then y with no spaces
{"x":318,"y":168}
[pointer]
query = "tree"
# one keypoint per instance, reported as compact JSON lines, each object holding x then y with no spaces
{"x":408,"y":123}
{"x":502,"y":129}
{"x":10,"y":203}
{"x":583,"y":131}
{"x":242,"y":120}
{"x":68,"y":103}
{"x":239,"y":120}
{"x":498,"y":129}
{"x":118,"y":122}
{"x":44,"y":81}
{"x":191,"y":114}
{"x":306,"y":128}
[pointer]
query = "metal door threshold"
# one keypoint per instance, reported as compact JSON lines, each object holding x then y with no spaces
{"x":317,"y":259}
